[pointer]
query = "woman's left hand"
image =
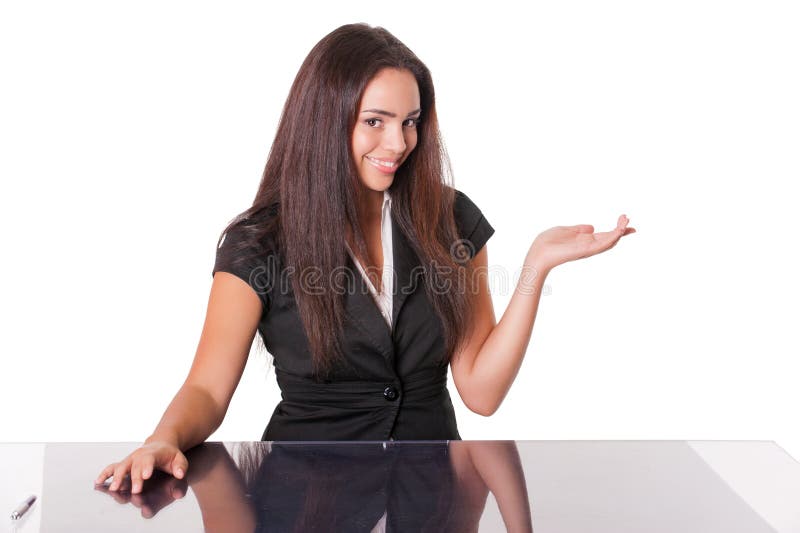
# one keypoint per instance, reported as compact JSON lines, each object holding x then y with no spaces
{"x":561,"y":244}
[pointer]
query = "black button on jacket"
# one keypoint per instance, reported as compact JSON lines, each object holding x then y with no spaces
{"x":395,"y":385}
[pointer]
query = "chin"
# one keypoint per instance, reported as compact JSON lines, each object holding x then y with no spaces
{"x":378,"y":185}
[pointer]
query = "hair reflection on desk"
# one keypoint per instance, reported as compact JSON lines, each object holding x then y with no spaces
{"x":306,"y":486}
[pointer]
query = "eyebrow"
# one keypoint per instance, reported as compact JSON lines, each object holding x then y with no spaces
{"x":388,"y":113}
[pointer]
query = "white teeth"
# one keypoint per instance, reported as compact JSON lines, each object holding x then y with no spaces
{"x":383,"y":163}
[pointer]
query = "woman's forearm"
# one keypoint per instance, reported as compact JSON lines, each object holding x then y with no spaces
{"x":500,"y":357}
{"x":190,"y":418}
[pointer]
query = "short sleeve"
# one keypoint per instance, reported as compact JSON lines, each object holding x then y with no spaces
{"x":472,"y":225}
{"x":250,"y":263}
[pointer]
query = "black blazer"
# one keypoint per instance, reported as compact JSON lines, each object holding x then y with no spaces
{"x":395,"y":385}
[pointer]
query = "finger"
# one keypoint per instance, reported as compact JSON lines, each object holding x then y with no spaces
{"x":605,"y":240}
{"x":125,"y":484}
{"x":136,"y":477}
{"x":179,"y":465}
{"x":608,"y":236}
{"x":625,"y":230}
{"x":147,"y":467}
{"x":105,"y":474}
{"x":123,"y":487}
{"x":119,"y":474}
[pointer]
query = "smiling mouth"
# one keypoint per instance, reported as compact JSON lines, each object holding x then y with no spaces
{"x":384,"y":166}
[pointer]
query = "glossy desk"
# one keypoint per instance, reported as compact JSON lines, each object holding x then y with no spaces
{"x":542,"y":486}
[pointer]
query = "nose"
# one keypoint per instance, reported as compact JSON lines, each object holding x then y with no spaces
{"x":394,"y":139}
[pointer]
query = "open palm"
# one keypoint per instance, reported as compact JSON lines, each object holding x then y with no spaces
{"x":566,"y":243}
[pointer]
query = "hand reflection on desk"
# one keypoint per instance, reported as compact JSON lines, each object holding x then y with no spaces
{"x":308,"y":486}
{"x":163,"y":489}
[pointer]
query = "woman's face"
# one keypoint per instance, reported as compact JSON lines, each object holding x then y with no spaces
{"x":386,"y":127}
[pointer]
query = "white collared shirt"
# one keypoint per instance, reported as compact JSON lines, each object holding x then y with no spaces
{"x":384,"y":299}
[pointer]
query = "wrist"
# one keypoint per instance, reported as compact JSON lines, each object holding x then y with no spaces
{"x":163,"y":436}
{"x":536,"y":263}
{"x":531,"y":279}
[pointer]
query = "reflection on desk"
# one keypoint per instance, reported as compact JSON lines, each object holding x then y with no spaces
{"x":435,"y":486}
{"x":550,"y":486}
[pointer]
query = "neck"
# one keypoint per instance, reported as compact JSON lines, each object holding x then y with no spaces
{"x":369,"y":213}
{"x":371,"y":206}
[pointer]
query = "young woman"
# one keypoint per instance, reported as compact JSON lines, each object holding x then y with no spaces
{"x":361,"y":268}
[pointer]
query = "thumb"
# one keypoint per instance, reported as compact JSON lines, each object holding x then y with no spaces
{"x":179,"y":465}
{"x":584,"y":228}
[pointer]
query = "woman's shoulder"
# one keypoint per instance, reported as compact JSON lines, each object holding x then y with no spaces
{"x":249,"y":239}
{"x":252,"y":230}
{"x":247,"y":250}
{"x":470,"y":221}
{"x":466,"y":212}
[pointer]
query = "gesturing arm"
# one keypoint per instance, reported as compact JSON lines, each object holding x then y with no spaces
{"x":485,"y":368}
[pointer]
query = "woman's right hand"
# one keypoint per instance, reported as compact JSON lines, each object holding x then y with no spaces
{"x":163,"y":455}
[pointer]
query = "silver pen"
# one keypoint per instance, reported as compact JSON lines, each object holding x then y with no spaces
{"x":23,"y":508}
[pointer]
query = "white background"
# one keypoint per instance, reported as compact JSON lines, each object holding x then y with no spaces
{"x":131,"y":134}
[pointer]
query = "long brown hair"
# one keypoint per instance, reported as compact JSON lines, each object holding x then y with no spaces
{"x":310,"y":190}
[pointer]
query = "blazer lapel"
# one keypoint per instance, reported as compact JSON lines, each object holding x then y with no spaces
{"x":406,"y":266}
{"x":362,"y":307}
{"x":363,"y":310}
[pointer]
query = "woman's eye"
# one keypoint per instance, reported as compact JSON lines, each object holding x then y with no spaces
{"x":374,"y":122}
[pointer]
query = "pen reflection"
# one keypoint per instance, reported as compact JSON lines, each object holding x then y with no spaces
{"x":275,"y":486}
